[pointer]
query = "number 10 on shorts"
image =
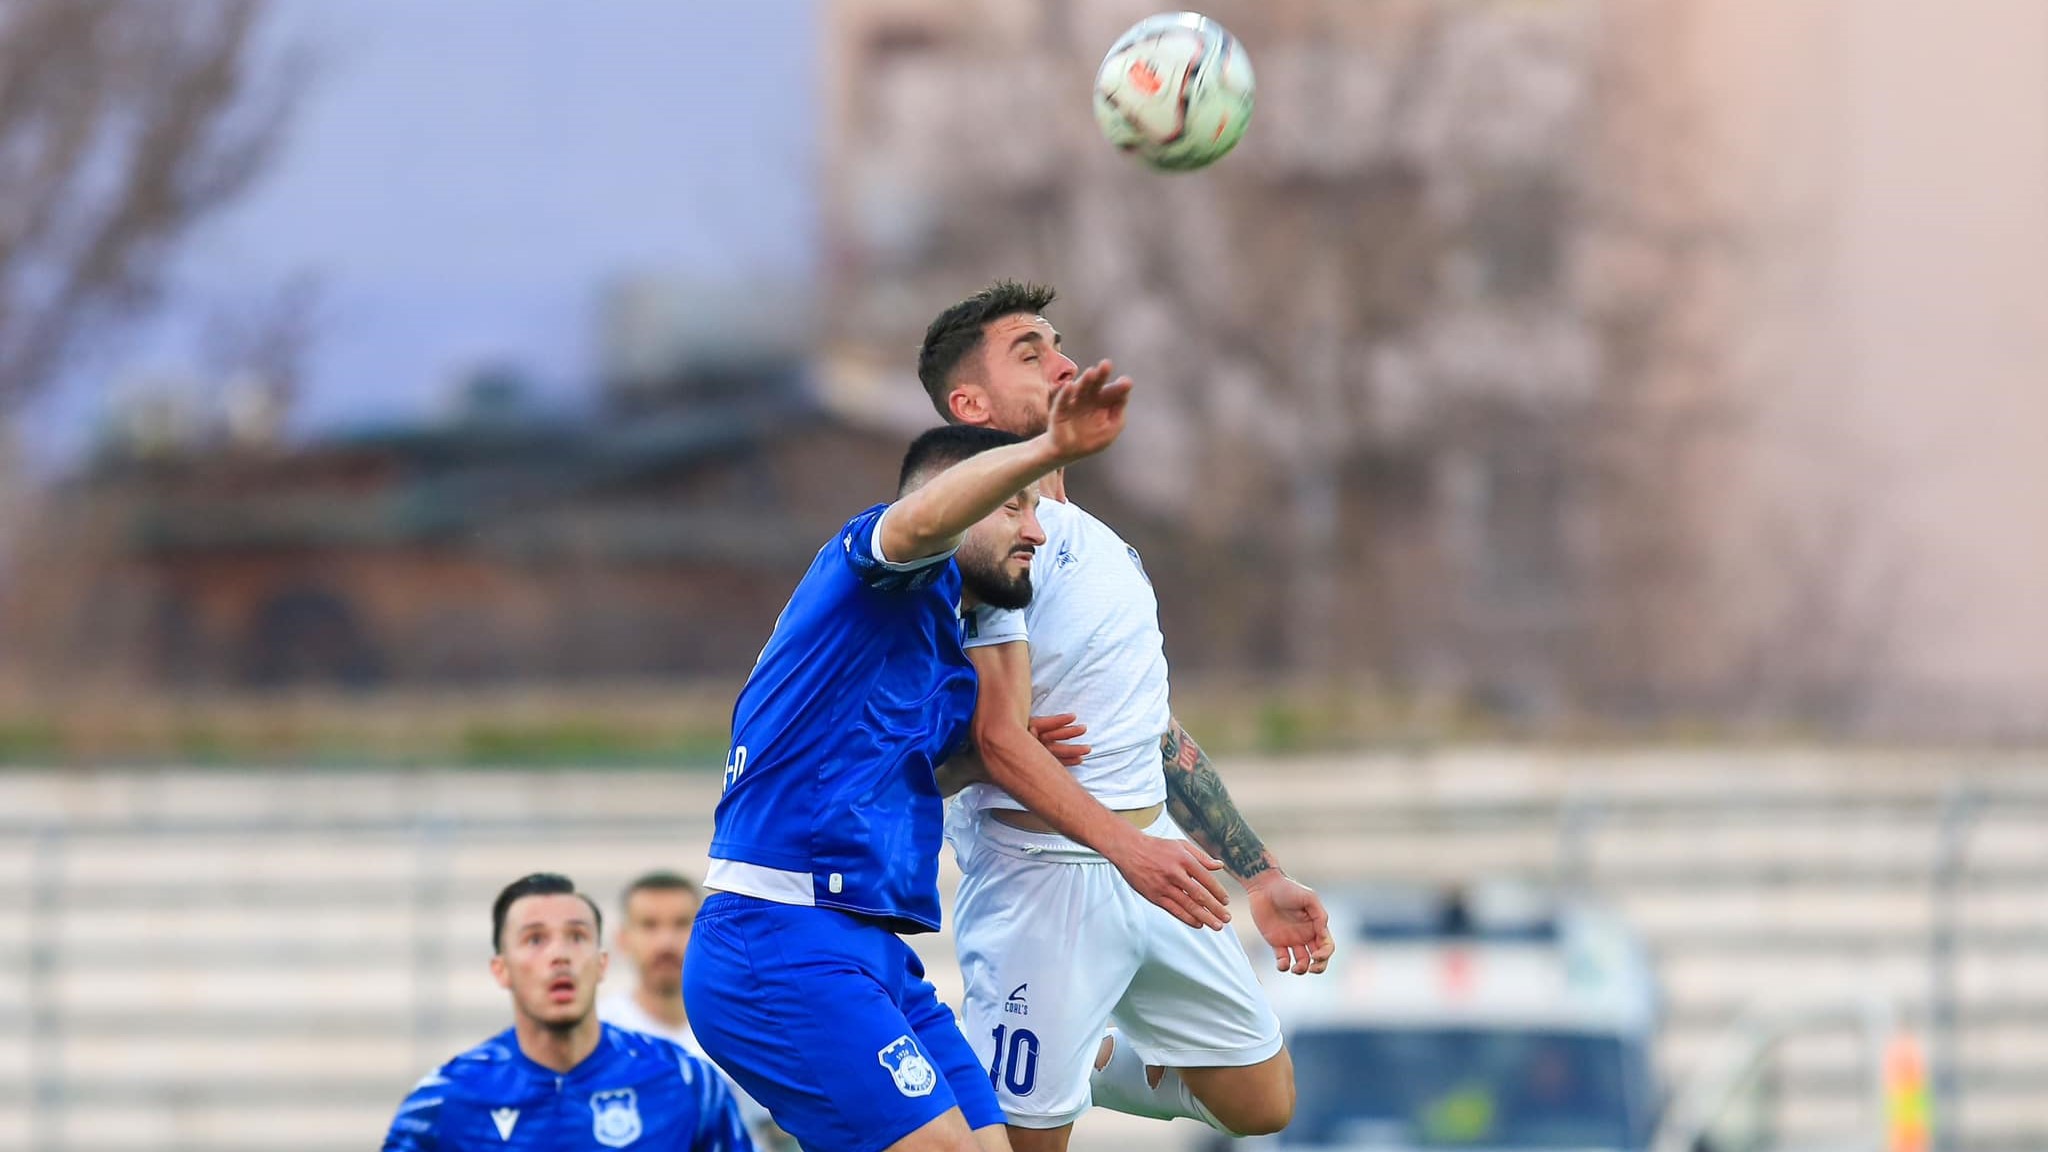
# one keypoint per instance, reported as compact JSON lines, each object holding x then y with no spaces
{"x":1019,"y":1073}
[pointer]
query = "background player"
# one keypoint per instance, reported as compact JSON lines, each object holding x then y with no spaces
{"x":1186,"y":999}
{"x":827,"y":835}
{"x":559,"y":1079}
{"x":656,"y":911}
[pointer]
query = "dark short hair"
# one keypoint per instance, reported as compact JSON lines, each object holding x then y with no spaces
{"x":659,"y":880}
{"x":944,"y":446}
{"x":958,"y":331}
{"x":536,"y":884}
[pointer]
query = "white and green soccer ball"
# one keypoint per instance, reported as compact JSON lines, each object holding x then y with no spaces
{"x":1175,"y":91}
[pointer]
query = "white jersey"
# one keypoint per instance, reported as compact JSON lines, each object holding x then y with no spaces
{"x":622,"y":1011}
{"x":1096,"y":651}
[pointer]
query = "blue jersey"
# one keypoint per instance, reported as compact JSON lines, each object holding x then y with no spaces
{"x":862,"y":692}
{"x":634,"y":1091}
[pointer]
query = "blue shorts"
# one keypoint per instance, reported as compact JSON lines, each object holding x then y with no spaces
{"x":828,"y":1021}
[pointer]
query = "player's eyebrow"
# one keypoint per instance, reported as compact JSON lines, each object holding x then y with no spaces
{"x":1030,"y":335}
{"x":573,"y":921}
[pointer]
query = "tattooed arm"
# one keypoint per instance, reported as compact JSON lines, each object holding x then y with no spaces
{"x":1201,"y":805}
{"x":1289,"y":914}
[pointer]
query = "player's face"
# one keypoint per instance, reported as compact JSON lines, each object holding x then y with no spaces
{"x":995,"y":557}
{"x":549,"y":959}
{"x":1022,"y":365}
{"x":655,"y":935}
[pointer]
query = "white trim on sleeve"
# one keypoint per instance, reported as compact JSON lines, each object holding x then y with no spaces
{"x":992,"y":626}
{"x":875,"y":549}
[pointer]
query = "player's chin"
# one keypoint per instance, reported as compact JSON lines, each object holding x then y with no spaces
{"x":568,"y":1015}
{"x":1017,"y":589}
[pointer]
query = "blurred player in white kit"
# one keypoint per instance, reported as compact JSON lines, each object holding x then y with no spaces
{"x":656,"y":912}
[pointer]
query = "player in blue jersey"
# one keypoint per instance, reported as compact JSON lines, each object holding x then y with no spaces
{"x":827,"y":835}
{"x":559,"y":1080}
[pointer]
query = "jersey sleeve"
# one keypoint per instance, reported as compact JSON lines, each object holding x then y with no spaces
{"x":719,"y":1126}
{"x":861,"y":543}
{"x":984,"y":626}
{"x":417,"y":1127}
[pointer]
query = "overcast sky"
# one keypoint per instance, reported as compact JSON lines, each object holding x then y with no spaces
{"x":464,"y":175}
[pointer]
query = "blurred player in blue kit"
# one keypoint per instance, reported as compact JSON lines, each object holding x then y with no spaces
{"x":827,"y":835}
{"x":560,"y":1080}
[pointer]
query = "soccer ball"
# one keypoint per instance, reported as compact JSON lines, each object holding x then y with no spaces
{"x":1175,"y":91}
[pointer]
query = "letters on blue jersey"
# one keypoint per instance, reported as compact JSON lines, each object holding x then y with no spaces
{"x":861,"y":693}
{"x":634,"y":1091}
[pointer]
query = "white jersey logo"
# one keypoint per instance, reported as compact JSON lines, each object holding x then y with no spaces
{"x":505,"y":1118}
{"x":615,"y":1118}
{"x":914,"y":1075}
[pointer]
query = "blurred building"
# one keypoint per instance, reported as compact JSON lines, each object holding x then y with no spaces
{"x":1657,"y":359}
{"x":656,"y":537}
{"x":1385,"y":344}
{"x":1550,"y":356}
{"x":1891,"y":159}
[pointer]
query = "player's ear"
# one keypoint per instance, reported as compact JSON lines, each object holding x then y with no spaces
{"x":499,"y":972}
{"x":604,"y":964}
{"x":967,"y":404}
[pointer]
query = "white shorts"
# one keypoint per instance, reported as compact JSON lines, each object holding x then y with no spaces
{"x":1054,"y":945}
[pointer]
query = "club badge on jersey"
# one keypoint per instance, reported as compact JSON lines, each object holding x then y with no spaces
{"x":1138,"y":563}
{"x":615,"y":1118}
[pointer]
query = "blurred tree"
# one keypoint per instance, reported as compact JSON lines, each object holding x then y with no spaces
{"x":1375,"y":326}
{"x":1439,"y":382}
{"x":124,"y":124}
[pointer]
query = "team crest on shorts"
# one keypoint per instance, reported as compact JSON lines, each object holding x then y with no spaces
{"x":615,"y":1117}
{"x":914,"y":1074}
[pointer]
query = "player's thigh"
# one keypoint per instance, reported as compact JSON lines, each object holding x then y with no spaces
{"x":1045,"y":953}
{"x":799,"y":1006}
{"x":946,"y":1132}
{"x":939,"y":1032}
{"x":1194,"y":1001}
{"x":993,"y":1138}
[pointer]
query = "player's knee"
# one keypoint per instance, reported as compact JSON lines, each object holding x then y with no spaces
{"x":1262,"y":1103}
{"x":1259,"y":1116}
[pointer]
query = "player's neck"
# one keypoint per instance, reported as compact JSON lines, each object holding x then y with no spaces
{"x":558,"y":1049}
{"x":1054,"y":486}
{"x":668,"y":1009}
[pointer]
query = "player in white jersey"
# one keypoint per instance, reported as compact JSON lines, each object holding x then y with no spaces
{"x":657,"y":912}
{"x":1082,"y":905}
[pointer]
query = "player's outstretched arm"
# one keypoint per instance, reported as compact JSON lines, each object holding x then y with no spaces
{"x":1287,"y":913}
{"x":1170,"y":873}
{"x":1087,"y":416}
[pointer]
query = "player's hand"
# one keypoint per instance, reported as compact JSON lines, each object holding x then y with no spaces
{"x":1293,"y":921}
{"x":1176,"y":875}
{"x":1088,"y":413}
{"x":1057,"y":733}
